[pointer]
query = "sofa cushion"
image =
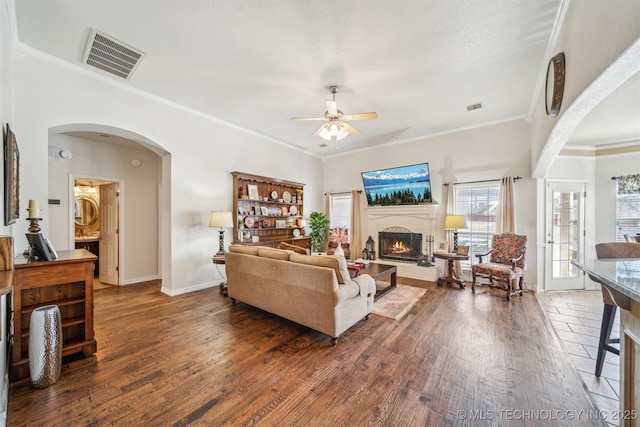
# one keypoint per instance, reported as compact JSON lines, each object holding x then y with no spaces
{"x":328,"y":261}
{"x":274,"y":253}
{"x":241,"y":249}
{"x":294,"y":248}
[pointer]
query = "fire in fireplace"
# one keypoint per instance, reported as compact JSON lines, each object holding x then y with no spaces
{"x":398,"y":243}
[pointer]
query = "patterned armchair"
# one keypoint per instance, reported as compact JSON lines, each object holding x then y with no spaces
{"x":505,"y":265}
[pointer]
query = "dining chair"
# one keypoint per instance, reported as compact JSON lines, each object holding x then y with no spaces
{"x":619,"y":250}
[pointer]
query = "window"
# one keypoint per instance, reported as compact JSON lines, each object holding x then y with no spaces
{"x":627,"y":215}
{"x":340,"y":210}
{"x":480,"y":206}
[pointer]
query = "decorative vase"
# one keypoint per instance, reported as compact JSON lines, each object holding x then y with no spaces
{"x":45,"y":346}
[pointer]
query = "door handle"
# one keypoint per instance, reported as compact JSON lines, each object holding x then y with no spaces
{"x":550,"y":241}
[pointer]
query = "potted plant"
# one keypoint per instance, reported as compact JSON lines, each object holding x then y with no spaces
{"x":319,"y":225}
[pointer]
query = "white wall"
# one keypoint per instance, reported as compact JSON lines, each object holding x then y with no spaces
{"x":592,"y":36}
{"x":606,"y":191}
{"x":485,"y":153}
{"x":203,"y":153}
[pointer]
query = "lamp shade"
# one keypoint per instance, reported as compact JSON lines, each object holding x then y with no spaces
{"x":454,"y":222}
{"x":221,"y":219}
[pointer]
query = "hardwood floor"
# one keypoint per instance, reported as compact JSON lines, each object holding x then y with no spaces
{"x":196,"y":359}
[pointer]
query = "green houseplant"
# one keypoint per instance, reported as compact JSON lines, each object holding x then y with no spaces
{"x":319,"y":225}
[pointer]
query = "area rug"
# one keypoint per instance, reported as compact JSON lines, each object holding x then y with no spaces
{"x":397,"y":303}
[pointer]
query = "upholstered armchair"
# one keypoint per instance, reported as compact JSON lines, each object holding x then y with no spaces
{"x":339,"y":236}
{"x":505,"y":265}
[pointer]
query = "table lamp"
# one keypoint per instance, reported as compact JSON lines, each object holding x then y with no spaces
{"x":454,"y":222}
{"x":222,"y":220}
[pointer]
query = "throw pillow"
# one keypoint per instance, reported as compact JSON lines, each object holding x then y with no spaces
{"x":342,"y":263}
{"x":294,"y":248}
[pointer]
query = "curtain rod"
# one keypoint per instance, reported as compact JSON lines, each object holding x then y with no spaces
{"x":515,"y":178}
{"x":341,"y":192}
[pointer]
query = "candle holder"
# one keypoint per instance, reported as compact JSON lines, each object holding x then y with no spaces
{"x":34,"y":227}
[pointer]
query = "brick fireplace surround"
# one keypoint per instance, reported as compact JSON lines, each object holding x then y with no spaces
{"x":418,"y":219}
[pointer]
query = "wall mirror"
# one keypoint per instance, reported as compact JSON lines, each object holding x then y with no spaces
{"x":86,"y":211}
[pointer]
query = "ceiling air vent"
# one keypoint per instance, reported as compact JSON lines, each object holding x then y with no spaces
{"x":474,"y":106}
{"x":111,"y":55}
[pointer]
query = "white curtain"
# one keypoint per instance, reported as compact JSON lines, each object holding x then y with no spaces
{"x":506,"y":218}
{"x":355,"y":241}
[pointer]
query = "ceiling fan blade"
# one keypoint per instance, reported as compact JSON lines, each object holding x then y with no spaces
{"x":352,"y":131}
{"x":361,"y":116}
{"x":307,"y":118}
{"x":332,"y":108}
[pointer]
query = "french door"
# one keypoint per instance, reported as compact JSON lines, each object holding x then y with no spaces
{"x":564,"y":235}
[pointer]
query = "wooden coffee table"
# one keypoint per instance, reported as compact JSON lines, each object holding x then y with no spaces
{"x":450,"y":277}
{"x":379,"y":271}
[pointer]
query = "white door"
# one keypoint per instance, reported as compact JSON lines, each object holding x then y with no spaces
{"x":109,"y":207}
{"x":564,"y":235}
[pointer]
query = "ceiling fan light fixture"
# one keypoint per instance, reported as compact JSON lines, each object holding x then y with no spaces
{"x":336,"y":126}
{"x":333,"y":131}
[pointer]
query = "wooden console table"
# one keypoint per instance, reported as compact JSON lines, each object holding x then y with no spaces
{"x":66,"y":282}
{"x":451,"y":277}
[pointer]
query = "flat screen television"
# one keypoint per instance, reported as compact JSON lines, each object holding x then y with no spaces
{"x":404,"y":185}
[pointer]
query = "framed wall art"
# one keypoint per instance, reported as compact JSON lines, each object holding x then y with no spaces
{"x":253,"y":192}
{"x":11,"y":177}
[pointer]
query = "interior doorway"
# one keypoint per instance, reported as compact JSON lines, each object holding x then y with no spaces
{"x":96,"y":217}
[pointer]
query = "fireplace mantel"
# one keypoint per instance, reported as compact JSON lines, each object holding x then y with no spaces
{"x":417,"y":219}
{"x":418,"y":211}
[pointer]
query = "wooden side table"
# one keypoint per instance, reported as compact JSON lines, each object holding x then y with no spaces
{"x":450,"y":276}
{"x":219,"y":260}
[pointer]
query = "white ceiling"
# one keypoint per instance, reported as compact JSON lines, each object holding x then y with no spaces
{"x":257,"y":63}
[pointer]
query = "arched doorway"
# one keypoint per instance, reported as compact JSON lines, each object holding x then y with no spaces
{"x":106,"y":154}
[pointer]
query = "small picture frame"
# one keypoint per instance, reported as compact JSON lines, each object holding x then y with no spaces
{"x":253,"y":192}
{"x":463,"y":250}
{"x":442,"y":247}
{"x":264,"y":211}
{"x":281,"y":223}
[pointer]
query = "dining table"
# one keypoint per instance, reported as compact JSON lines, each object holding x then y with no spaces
{"x":621,"y":279}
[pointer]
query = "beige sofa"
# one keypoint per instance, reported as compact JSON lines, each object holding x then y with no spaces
{"x":314,"y":291}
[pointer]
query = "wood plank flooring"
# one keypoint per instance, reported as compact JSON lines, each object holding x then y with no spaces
{"x":198,"y":360}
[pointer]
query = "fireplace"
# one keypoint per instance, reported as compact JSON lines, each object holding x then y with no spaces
{"x":400,"y":244}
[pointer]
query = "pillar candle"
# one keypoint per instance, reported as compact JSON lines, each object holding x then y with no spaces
{"x":34,"y":209}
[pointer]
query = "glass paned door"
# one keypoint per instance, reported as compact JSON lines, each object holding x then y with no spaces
{"x":565,"y":225}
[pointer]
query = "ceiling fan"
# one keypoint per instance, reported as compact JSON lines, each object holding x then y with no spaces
{"x":337,"y":127}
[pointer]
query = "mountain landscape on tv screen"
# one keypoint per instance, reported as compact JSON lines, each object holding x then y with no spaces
{"x":398,"y":186}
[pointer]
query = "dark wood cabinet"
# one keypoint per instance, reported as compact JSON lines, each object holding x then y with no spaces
{"x":92,"y":246}
{"x":66,"y":282}
{"x":268,"y":211}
